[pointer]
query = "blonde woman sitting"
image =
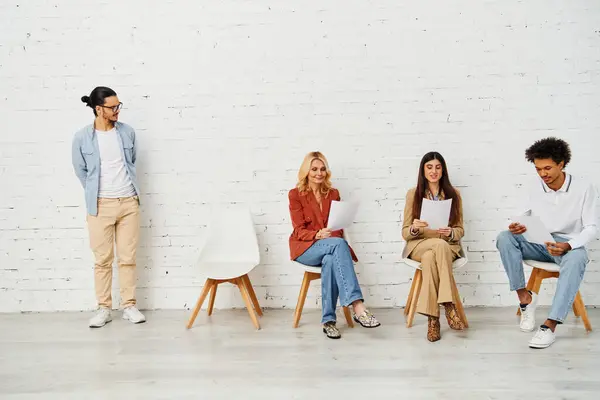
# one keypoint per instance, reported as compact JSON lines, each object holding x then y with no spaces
{"x":311,"y":243}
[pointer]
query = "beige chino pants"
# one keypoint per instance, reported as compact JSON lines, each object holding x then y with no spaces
{"x":118,"y":221}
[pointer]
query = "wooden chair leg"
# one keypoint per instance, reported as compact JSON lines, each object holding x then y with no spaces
{"x":250,"y":290}
{"x":530,"y":284}
{"x":301,"y":299}
{"x":348,"y":316}
{"x":576,"y":310}
{"x":458,"y":303}
{"x":410,"y":294}
{"x":207,"y":286}
{"x":539,"y":277}
{"x":582,"y":312}
{"x":211,"y":300}
{"x":242,"y":287}
{"x":535,"y":282}
{"x":413,"y":302}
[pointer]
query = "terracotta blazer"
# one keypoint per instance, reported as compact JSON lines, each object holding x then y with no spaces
{"x":308,"y":219}
{"x":412,"y":241}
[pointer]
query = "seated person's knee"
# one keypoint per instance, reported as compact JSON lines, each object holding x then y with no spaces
{"x":503,"y":237}
{"x":440,"y":244}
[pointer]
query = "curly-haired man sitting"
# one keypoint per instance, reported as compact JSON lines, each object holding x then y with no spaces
{"x":567,"y":207}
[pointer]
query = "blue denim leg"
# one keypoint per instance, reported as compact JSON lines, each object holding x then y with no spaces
{"x":329,"y":289}
{"x":337,"y":274}
{"x":513,"y":250}
{"x":572,"y":268}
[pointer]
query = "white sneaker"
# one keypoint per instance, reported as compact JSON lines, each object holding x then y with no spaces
{"x":543,"y":338}
{"x":134,"y":315}
{"x":528,"y":315}
{"x":101,"y":318}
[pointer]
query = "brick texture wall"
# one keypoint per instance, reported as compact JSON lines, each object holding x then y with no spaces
{"x":228,"y":96}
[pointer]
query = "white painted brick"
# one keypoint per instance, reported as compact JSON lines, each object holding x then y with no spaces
{"x":226,"y":99}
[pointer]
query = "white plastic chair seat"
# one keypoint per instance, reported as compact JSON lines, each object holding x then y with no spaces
{"x":546,"y":266}
{"x":308,"y":268}
{"x":226,"y":270}
{"x":458,"y":263}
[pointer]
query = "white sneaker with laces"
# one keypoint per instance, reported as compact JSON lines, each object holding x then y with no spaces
{"x":528,"y":315}
{"x":101,"y":318}
{"x":544,"y":337}
{"x":134,"y":315}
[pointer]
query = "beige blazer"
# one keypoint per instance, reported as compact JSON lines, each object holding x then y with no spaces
{"x":413,"y":240}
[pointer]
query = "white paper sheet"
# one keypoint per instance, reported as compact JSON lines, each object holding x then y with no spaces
{"x":436,"y":213}
{"x":536,"y":231}
{"x":341,"y":214}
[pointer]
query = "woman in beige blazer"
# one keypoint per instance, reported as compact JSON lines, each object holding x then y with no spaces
{"x":434,"y":249}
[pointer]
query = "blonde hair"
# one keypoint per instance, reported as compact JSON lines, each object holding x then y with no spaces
{"x":305,"y":169}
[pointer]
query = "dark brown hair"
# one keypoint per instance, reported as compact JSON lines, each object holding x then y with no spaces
{"x":98,"y":97}
{"x":445,"y":186}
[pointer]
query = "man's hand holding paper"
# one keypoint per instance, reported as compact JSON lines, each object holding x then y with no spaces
{"x":532,"y":228}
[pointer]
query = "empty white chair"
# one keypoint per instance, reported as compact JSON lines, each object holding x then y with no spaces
{"x":311,"y":274}
{"x":543,"y":270}
{"x":228,"y":255}
{"x":415,"y":289}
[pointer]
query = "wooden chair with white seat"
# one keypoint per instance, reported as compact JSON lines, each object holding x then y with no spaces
{"x":228,"y":255}
{"x":311,"y":274}
{"x":543,"y":270}
{"x":415,"y":289}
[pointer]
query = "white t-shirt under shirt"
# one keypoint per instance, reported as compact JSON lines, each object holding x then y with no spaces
{"x":114,"y":178}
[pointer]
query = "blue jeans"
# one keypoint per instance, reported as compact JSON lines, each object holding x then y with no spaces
{"x":514,"y":249}
{"x":337,"y":274}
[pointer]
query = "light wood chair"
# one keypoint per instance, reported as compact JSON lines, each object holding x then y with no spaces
{"x":544,"y":270}
{"x":311,"y":274}
{"x":229,"y":254}
{"x":415,"y":289}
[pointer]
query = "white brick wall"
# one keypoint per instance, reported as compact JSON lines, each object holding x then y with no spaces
{"x":228,"y":96}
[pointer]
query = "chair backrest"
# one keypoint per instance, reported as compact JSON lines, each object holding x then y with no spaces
{"x":231,"y":236}
{"x":462,"y":253}
{"x":462,"y":260}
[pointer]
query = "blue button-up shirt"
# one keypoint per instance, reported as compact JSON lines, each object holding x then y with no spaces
{"x":86,"y":161}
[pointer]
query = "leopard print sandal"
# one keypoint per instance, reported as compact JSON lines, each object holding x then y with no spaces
{"x":331,"y":331}
{"x":367,"y":320}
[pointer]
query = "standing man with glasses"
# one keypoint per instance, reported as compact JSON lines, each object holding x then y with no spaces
{"x":104,"y":155}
